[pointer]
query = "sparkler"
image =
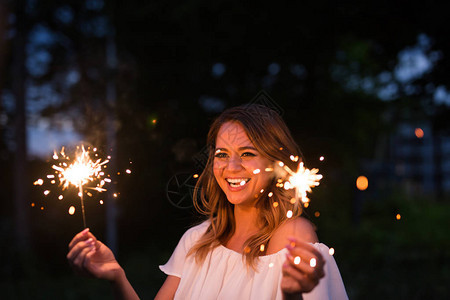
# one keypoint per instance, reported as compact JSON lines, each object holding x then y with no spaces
{"x":81,"y":172}
{"x":301,"y":181}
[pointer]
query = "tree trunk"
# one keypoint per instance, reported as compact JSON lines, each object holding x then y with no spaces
{"x":21,"y":181}
{"x":4,"y":40}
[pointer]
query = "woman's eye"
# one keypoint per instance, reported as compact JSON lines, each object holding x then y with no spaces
{"x":248,"y":154}
{"x":220,"y":155}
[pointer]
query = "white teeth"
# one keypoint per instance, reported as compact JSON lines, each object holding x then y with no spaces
{"x":238,"y":180}
{"x":235,"y":182}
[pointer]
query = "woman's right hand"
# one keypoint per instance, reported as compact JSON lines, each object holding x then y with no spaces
{"x":90,"y":257}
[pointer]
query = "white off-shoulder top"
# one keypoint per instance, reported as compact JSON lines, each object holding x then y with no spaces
{"x":224,"y":274}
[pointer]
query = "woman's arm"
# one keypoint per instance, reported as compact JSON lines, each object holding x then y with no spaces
{"x":168,"y":289}
{"x":123,"y":290}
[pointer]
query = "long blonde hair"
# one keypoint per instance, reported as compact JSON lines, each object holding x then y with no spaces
{"x":271,"y":137}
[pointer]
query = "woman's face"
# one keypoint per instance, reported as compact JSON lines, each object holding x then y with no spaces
{"x":238,"y":167}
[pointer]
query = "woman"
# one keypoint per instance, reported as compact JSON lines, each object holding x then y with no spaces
{"x":247,"y":248}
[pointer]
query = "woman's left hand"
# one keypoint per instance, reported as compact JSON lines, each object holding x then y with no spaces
{"x":302,"y":269}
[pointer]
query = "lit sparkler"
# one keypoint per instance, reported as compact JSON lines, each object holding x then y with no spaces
{"x":302,"y":181}
{"x":81,"y":172}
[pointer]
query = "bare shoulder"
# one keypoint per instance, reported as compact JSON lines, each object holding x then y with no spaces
{"x":300,"y":228}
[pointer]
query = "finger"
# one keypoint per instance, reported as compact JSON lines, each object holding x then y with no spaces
{"x":79,"y":259}
{"x":306,"y":258}
{"x":78,"y":248}
{"x":88,"y":258}
{"x":305,"y":267}
{"x":98,"y":244}
{"x":79,"y":237}
{"x":307,"y":252}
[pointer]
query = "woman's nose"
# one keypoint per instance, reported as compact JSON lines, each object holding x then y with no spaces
{"x":235,"y":163}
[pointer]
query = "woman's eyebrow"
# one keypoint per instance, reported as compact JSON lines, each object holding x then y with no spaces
{"x":247,"y":148}
{"x":240,"y":149}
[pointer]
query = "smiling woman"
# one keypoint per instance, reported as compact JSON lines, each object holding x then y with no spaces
{"x":248,"y":244}
{"x":248,"y":247}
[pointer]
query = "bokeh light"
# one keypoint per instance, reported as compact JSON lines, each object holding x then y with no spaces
{"x":362,"y":183}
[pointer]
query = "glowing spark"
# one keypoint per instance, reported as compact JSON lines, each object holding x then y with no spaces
{"x":270,"y":194}
{"x":38,"y":182}
{"x":33,"y":205}
{"x":46,"y":192}
{"x":289,"y":214}
{"x":261,"y":248}
{"x":312,"y":262}
{"x":293,"y":200}
{"x":302,"y":180}
{"x":398,"y":216}
{"x":115,"y":195}
{"x":256,"y":171}
{"x":101,"y":201}
{"x":242,"y":182}
{"x":297,"y":260}
{"x":331,"y":251}
{"x":71,"y":210}
{"x":268,"y":169}
{"x":317,"y":214}
{"x":321,"y":158}
{"x":261,"y":191}
{"x":195,"y":175}
{"x":271,"y":265}
{"x":275,"y":204}
{"x":79,"y":172}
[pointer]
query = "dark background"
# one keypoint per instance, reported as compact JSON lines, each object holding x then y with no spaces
{"x":142,"y":81}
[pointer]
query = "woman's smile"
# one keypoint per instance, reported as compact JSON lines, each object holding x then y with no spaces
{"x":237,"y":182}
